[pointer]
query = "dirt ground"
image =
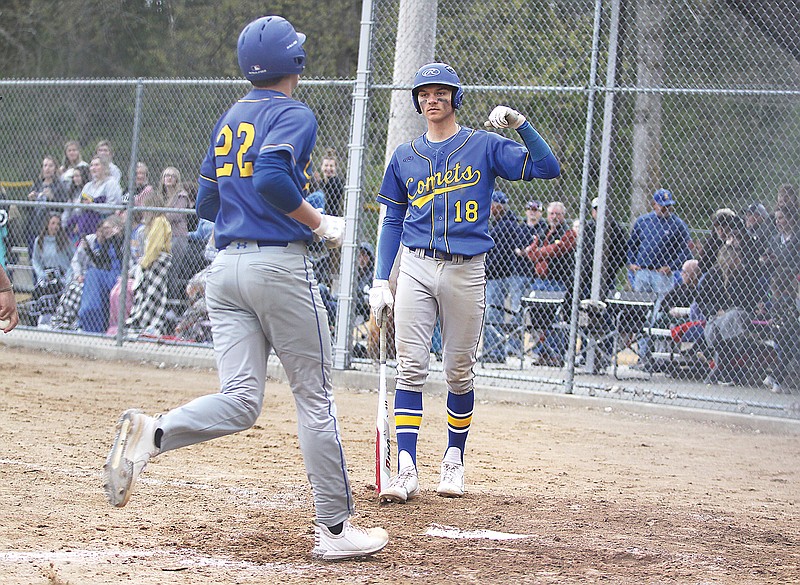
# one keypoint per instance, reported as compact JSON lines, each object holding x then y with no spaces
{"x":557,"y":494}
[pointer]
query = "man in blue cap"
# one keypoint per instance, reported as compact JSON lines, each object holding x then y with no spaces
{"x":658,"y":246}
{"x":504,"y":280}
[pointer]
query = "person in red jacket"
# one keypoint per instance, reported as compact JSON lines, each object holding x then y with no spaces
{"x":554,"y":260}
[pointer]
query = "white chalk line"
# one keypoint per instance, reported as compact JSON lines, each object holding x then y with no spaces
{"x":171,"y":560}
{"x":277,"y":501}
{"x":442,"y":531}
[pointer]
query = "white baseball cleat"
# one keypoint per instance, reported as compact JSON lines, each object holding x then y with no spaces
{"x":402,"y":487}
{"x":451,"y":484}
{"x":351,"y":542}
{"x":133,"y":447}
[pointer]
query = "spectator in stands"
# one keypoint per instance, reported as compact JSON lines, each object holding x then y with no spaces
{"x":8,"y":302}
{"x":175,"y":196}
{"x":141,"y":185}
{"x":554,"y":262}
{"x":726,"y":227}
{"x":783,"y":265}
{"x":194,"y":324}
{"x":52,"y":250}
{"x":332,"y":188}
{"x":504,"y":281}
{"x":554,"y":254}
{"x":658,"y":246}
{"x":535,"y":225}
{"x":46,"y":188}
{"x":104,"y":151}
{"x":731,"y":295}
{"x":613,"y":252}
{"x":66,"y":314}
{"x":105,"y":251}
{"x":788,"y":199}
{"x":80,"y":178}
{"x":150,"y":273}
{"x":101,"y":189}
{"x":72,"y":160}
{"x":759,"y":228}
{"x":331,"y":184}
{"x":366,"y":270}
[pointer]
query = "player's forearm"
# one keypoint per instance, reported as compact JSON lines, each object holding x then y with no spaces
{"x":388,"y":243}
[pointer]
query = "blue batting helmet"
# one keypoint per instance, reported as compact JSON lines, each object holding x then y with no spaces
{"x":270,"y":48}
{"x":440,"y":74}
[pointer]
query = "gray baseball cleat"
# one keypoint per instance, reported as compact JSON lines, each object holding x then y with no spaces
{"x":350,"y":543}
{"x":133,"y":447}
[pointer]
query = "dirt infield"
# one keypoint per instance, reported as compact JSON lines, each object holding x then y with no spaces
{"x":557,"y":494}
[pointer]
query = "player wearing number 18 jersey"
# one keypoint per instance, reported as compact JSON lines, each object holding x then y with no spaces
{"x":437,"y":191}
{"x":261,"y":292}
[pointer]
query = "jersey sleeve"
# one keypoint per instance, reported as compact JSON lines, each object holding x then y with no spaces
{"x":393,"y":191}
{"x":511,"y":160}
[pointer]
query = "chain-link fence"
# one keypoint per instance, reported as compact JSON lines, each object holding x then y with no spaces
{"x":599,"y":282}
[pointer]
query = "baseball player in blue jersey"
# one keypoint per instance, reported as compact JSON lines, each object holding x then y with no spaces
{"x":437,"y":191}
{"x":261,"y":292}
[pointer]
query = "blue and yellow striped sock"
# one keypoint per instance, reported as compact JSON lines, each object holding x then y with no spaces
{"x":459,"y":418}
{"x":407,"y":420}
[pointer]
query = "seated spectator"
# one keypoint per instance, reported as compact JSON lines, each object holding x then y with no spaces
{"x":80,"y":178}
{"x":101,"y":189}
{"x":788,"y":199}
{"x":104,"y":151}
{"x":687,"y":321}
{"x":725,"y":227}
{"x":105,"y":251}
{"x":137,"y":250}
{"x":194,"y":324}
{"x":366,"y":269}
{"x":174,"y":196}
{"x":52,"y":250}
{"x":150,"y":273}
{"x":554,"y":262}
{"x":72,"y":161}
{"x":759,"y":228}
{"x":46,"y":187}
{"x":141,"y":186}
{"x":730,"y":296}
{"x":66,"y":314}
{"x":504,"y":279}
{"x":783,"y":266}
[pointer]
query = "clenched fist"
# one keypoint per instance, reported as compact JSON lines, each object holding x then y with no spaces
{"x":504,"y":117}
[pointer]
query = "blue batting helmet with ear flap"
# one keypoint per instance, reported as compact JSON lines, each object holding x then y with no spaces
{"x":270,"y":48}
{"x":440,"y":74}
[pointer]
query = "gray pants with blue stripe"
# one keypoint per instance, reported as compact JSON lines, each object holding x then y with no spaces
{"x":258,"y":299}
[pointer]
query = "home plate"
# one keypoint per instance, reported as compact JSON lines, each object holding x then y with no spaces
{"x":451,"y":532}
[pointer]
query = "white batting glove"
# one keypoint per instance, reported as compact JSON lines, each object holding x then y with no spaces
{"x":331,"y":230}
{"x":381,"y":300}
{"x":504,"y":117}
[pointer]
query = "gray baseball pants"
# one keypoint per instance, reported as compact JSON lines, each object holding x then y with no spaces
{"x":456,"y":292}
{"x":258,"y":299}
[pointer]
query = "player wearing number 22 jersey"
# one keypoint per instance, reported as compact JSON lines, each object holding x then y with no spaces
{"x":437,"y":191}
{"x":261,"y":293}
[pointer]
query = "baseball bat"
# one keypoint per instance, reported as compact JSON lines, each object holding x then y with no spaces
{"x":383,"y":453}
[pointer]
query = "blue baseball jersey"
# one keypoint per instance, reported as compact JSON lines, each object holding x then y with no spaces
{"x":263,"y":121}
{"x":446,"y":188}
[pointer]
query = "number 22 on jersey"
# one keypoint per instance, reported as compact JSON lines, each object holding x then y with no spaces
{"x":244,"y":138}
